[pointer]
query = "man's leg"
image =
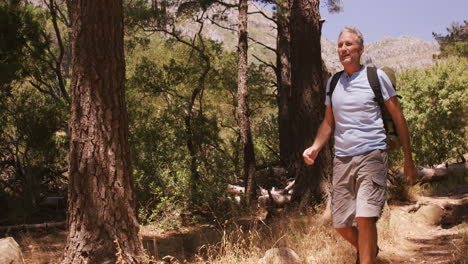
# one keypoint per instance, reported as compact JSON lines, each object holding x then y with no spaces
{"x":370,"y":200}
{"x":350,"y":234}
{"x":343,"y":200}
{"x":367,"y":239}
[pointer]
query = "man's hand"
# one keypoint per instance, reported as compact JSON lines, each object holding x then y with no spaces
{"x":310,"y":155}
{"x":410,"y":171}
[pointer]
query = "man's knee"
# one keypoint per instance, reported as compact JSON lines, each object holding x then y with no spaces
{"x":360,"y":218}
{"x":366,"y":220}
{"x":341,"y":229}
{"x":346,"y":230}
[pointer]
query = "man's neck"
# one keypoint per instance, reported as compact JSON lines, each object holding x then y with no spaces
{"x":351,"y":69}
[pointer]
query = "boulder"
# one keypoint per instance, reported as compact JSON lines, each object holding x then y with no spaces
{"x":281,"y":255}
{"x":455,"y":213}
{"x":312,"y":260}
{"x":10,"y":252}
{"x":431,"y":214}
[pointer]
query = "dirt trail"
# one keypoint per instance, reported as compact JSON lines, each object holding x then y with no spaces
{"x":420,"y":242}
{"x":407,"y":237}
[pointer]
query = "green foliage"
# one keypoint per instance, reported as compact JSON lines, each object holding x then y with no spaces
{"x":33,"y":120}
{"x":30,"y":50}
{"x":33,"y":150}
{"x":161,"y":78}
{"x":162,"y":75}
{"x":435,"y":106}
{"x":20,"y":39}
{"x":455,"y":43}
{"x":267,"y":139}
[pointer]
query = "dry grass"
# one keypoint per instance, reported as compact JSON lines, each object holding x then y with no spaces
{"x":459,"y":245}
{"x":42,"y":248}
{"x":312,"y":239}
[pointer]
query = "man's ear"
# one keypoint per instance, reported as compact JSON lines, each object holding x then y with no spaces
{"x":361,"y":50}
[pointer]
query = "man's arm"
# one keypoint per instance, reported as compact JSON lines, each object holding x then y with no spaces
{"x":394,"y":108}
{"x":323,"y":134}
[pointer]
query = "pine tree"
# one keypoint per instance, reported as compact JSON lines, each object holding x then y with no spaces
{"x":102,"y":221}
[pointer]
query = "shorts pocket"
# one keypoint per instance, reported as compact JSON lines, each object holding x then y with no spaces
{"x":380,"y":167}
{"x":378,"y":195}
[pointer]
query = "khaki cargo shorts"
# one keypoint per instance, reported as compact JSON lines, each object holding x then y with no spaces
{"x":359,"y":187}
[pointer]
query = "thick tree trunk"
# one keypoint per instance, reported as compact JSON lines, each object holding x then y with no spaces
{"x":306,"y":104}
{"x":283,"y":76}
{"x":102,"y":221}
{"x":243,"y":105}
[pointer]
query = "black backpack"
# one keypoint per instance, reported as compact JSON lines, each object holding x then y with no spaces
{"x":389,"y":125}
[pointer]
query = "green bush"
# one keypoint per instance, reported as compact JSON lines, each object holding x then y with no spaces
{"x":161,"y":77}
{"x":33,"y":151}
{"x":435,"y":104}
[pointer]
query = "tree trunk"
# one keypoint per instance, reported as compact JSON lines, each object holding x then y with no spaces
{"x":283,"y":76}
{"x":243,"y":105}
{"x":191,"y":142}
{"x":102,"y":221}
{"x":306,"y":103}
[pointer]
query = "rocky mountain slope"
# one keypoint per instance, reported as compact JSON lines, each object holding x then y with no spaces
{"x":399,"y":53}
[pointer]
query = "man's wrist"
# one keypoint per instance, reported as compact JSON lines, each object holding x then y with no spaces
{"x":315,"y":147}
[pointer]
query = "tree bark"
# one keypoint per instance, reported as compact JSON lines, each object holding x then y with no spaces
{"x":306,"y":102}
{"x":102,"y":221}
{"x":243,"y":104}
{"x":283,"y":76}
{"x":191,"y":142}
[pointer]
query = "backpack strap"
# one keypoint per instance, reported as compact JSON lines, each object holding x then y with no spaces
{"x":374,"y":83}
{"x":333,"y":83}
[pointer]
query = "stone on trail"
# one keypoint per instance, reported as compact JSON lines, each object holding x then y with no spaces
{"x":10,"y":252}
{"x":312,"y":260}
{"x":281,"y":255}
{"x":431,"y":214}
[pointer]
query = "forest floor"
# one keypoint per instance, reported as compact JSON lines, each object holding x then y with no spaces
{"x":404,"y":237}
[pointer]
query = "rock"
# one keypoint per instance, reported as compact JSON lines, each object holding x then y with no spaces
{"x":430,"y":214}
{"x":312,"y":260}
{"x":455,"y":213}
{"x":281,"y":255}
{"x":415,"y":207}
{"x":170,"y":260}
{"x":10,"y":252}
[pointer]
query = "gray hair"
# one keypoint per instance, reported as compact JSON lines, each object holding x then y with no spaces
{"x":354,"y":31}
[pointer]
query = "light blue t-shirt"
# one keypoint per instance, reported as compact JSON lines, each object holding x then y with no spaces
{"x":358,"y":118}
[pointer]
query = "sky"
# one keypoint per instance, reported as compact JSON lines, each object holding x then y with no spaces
{"x":394,"y":18}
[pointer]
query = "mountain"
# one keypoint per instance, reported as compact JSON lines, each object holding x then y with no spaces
{"x":398,"y":53}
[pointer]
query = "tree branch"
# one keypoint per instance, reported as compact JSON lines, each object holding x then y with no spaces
{"x":58,"y":60}
{"x":226,"y":4}
{"x":264,"y":62}
{"x":263,"y":14}
{"x":221,"y":26}
{"x":38,"y":87}
{"x":263,"y":45}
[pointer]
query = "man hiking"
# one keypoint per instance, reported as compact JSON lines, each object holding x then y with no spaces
{"x":360,"y":164}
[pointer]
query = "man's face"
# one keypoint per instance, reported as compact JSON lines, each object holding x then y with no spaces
{"x":349,"y":49}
